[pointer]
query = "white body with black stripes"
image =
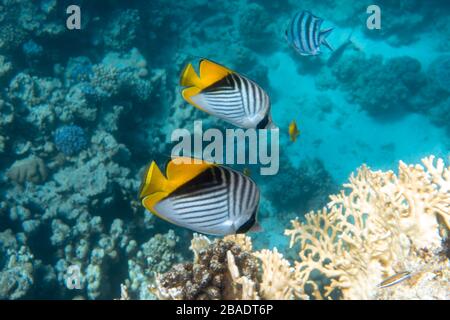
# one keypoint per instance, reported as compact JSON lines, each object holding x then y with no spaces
{"x":220,"y":201}
{"x":236,"y":100}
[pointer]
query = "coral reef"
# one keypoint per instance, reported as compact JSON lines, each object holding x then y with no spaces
{"x":440,"y":71}
{"x":368,"y":88}
{"x":17,"y":266}
{"x":226,"y":269}
{"x":70,"y":140}
{"x":154,"y":256}
{"x":381,"y":225}
{"x":391,"y":88}
{"x":83,"y":112}
{"x":312,"y":185}
{"x":31,"y":169}
{"x":208,"y":277}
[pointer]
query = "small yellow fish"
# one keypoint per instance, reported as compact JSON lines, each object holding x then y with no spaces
{"x":293,"y":131}
{"x":393,"y":280}
{"x":247,"y":172}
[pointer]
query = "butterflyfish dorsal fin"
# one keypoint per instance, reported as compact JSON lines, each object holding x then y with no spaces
{"x":211,"y":72}
{"x":182,"y":169}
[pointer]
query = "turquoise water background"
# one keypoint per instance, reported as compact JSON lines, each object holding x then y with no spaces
{"x":382,"y":96}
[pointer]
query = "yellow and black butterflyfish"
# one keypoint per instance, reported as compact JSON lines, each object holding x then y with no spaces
{"x":203,"y":197}
{"x":227,"y":95}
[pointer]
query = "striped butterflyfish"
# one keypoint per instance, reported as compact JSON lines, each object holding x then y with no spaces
{"x":304,"y":34}
{"x":227,"y":95}
{"x":201,"y":196}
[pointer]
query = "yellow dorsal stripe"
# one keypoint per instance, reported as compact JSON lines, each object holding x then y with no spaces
{"x":178,"y":172}
{"x":184,"y":169}
{"x":210,"y":73}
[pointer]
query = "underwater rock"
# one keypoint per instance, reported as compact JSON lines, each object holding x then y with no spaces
{"x":7,"y":112}
{"x":156,"y":255}
{"x":122,"y":29}
{"x":440,"y":114}
{"x":11,"y":37}
{"x":32,"y":50}
{"x":125,"y":73}
{"x":5,"y":67}
{"x":255,"y":26}
{"x":79,"y":105}
{"x":312,"y":185}
{"x":440,"y":71}
{"x":16,"y":266}
{"x":403,"y":21}
{"x":385,"y":88}
{"x":78,"y":70}
{"x":31,"y":169}
{"x":30,"y":91}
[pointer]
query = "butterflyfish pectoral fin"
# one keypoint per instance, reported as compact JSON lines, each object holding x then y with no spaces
{"x":152,"y":181}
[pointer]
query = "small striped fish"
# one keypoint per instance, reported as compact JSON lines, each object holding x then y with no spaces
{"x":203,"y":197}
{"x":304,"y":34}
{"x":393,"y":280}
{"x":226,"y":95}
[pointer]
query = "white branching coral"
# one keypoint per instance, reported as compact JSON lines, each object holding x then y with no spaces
{"x":382,"y":224}
{"x":277,"y":279}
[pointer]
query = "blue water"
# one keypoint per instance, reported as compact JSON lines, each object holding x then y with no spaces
{"x":70,"y":197}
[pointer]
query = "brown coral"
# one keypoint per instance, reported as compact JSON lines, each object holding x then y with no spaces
{"x":208,"y":276}
{"x":30,"y":169}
